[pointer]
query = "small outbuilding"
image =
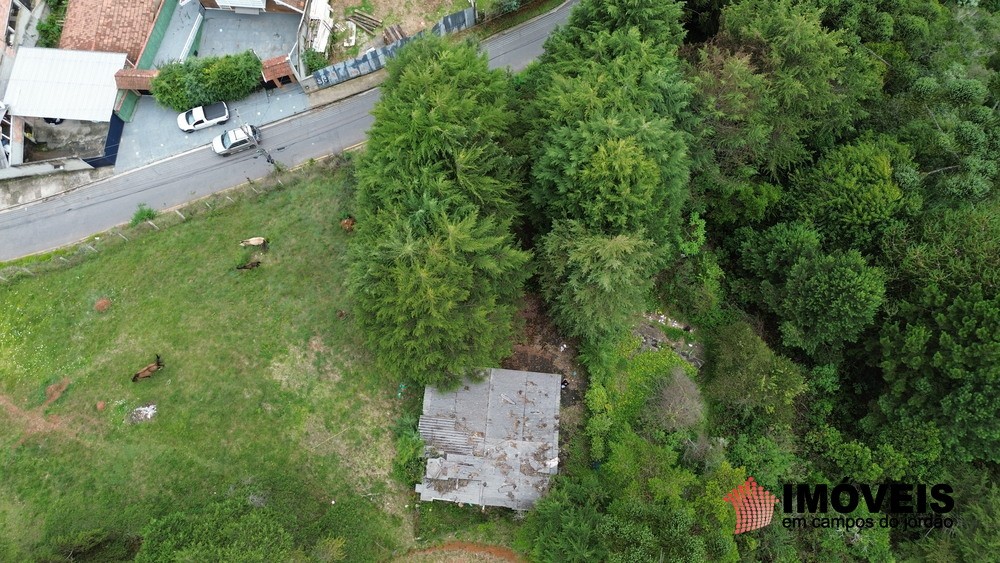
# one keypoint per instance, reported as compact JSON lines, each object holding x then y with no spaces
{"x":493,"y":442}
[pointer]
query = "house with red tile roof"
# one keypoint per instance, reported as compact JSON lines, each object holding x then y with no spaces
{"x":111,"y":26}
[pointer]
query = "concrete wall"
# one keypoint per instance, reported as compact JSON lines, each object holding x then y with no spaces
{"x":69,"y":138}
{"x":374,"y":60}
{"x":27,"y":189}
{"x":343,"y":90}
{"x":160,"y":27}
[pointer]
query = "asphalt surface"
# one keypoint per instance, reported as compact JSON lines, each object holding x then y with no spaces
{"x":70,"y":217}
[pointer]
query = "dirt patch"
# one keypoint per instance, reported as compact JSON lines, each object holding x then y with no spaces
{"x":542,"y":348}
{"x":651,"y":331}
{"x":54,"y":391}
{"x":102,"y":304}
{"x":456,"y":551}
{"x":411,"y":16}
{"x":33,"y":421}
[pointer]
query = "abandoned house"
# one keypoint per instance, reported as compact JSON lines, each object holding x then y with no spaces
{"x":492,"y":443}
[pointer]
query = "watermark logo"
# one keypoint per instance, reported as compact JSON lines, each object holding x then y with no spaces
{"x":900,"y":505}
{"x":754,"y":506}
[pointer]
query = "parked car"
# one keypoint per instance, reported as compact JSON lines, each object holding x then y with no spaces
{"x":236,"y":140}
{"x":203,"y":116}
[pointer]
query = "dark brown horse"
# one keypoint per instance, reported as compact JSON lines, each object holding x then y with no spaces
{"x":148,"y":370}
{"x":249,"y":265}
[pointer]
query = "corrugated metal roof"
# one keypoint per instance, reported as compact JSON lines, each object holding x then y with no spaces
{"x":493,"y":442}
{"x":63,"y":84}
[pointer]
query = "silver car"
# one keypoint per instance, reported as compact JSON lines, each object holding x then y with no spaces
{"x":236,"y":140}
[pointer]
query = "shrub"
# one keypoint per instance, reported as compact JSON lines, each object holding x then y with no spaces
{"x":142,"y":213}
{"x":408,"y":465}
{"x":748,"y":379}
{"x":199,"y":81}
{"x":314,"y":60}
{"x":50,"y":29}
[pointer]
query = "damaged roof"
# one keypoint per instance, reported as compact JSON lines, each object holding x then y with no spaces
{"x":493,"y":442}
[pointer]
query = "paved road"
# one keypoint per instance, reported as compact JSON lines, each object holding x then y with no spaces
{"x":65,"y":219}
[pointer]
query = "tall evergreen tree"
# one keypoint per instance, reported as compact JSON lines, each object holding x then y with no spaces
{"x":440,"y":128}
{"x":435,"y":272}
{"x":595,"y":284}
{"x":436,"y":296}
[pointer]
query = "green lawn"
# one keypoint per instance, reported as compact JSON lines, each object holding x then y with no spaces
{"x":263,"y":385}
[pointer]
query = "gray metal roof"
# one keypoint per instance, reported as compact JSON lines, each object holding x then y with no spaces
{"x":64,"y":84}
{"x":495,"y":442}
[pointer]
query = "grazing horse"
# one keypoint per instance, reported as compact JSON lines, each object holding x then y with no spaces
{"x":255,"y":241}
{"x":249,"y":265}
{"x":148,"y":370}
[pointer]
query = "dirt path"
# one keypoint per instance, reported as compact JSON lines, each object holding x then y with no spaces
{"x":463,"y":551}
{"x":34,"y":420}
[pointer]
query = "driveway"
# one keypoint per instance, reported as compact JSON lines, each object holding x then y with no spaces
{"x":153,"y":133}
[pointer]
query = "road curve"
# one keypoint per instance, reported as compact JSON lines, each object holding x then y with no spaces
{"x":70,"y":217}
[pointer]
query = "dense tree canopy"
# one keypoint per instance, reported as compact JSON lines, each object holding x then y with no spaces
{"x":435,"y":271}
{"x":811,"y":183}
{"x":850,"y":195}
{"x":595,"y":284}
{"x":438,"y":295}
{"x":439,"y":129}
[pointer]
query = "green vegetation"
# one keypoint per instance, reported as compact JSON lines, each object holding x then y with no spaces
{"x":314,"y":60}
{"x":266,"y":396}
{"x":807,"y":188}
{"x":142,"y":214}
{"x":195,"y":82}
{"x":50,"y":29}
{"x":436,"y":276}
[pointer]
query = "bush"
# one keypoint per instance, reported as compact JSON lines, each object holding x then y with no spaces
{"x":50,"y":29}
{"x":748,"y":379}
{"x":142,"y":213}
{"x":314,"y":60}
{"x":200,"y":81}
{"x":408,"y":465}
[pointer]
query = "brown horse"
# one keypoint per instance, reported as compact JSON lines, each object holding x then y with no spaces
{"x":249,"y":265}
{"x":148,"y":370}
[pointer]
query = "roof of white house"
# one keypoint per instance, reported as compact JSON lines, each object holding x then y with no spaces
{"x":493,"y":443}
{"x":63,"y":84}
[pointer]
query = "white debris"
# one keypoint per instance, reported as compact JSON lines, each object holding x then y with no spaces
{"x":140,"y":414}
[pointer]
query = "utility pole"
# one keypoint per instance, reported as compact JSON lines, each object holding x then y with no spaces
{"x":260,"y":150}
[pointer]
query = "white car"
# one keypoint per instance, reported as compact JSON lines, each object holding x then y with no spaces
{"x":236,"y":140}
{"x":203,"y":116}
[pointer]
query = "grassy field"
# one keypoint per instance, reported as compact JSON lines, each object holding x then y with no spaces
{"x":263,"y":384}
